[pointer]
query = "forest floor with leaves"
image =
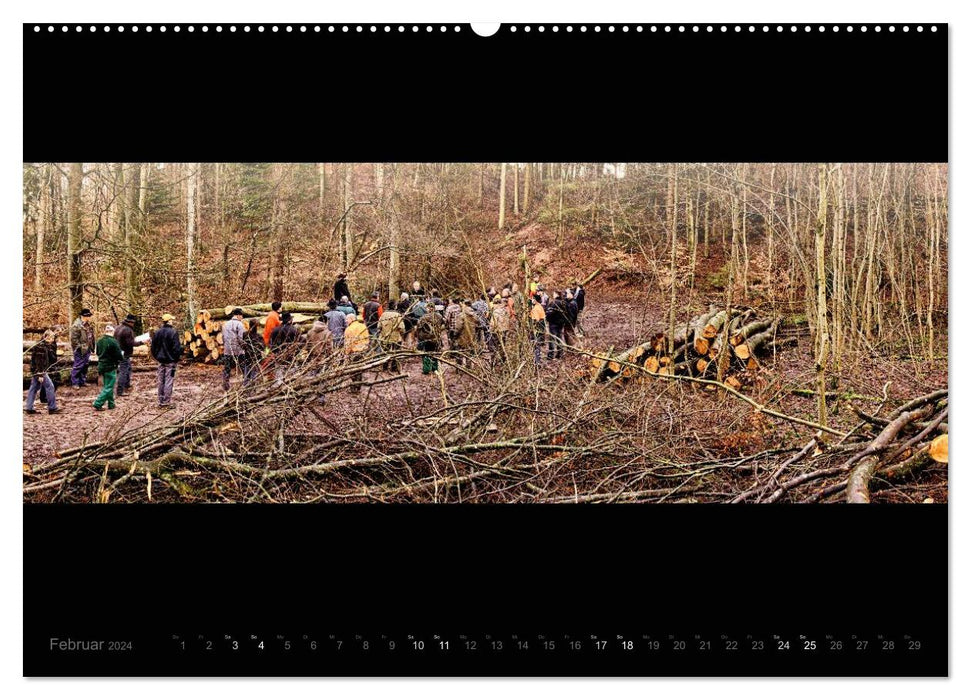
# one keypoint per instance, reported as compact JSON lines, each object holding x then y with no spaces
{"x":551,"y":437}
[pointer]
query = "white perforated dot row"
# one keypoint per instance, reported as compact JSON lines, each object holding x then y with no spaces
{"x":414,"y":28}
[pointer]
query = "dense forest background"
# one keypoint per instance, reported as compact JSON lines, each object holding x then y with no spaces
{"x":853,"y":257}
{"x":866,"y":241}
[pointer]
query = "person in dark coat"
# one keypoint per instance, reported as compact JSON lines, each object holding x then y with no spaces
{"x":283,"y":346}
{"x":569,"y":330}
{"x":43,"y":357}
{"x":82,"y":345}
{"x":580,"y":295}
{"x":125,"y":335}
{"x":372,"y":313}
{"x":253,"y":347}
{"x":340,"y":287}
{"x":166,"y":349}
{"x":555,"y":321}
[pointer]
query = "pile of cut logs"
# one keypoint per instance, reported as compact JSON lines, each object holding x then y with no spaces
{"x":732,"y":340}
{"x":204,"y":341}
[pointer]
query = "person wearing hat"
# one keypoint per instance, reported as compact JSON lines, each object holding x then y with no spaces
{"x":166,"y":349}
{"x":340,"y":287}
{"x":43,"y":357}
{"x":82,"y":345}
{"x":125,"y":335}
{"x":233,"y":350}
{"x":109,"y":357}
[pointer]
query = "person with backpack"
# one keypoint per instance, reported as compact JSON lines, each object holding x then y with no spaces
{"x":429,"y":336}
{"x":500,"y":328}
{"x":452,"y":312}
{"x":82,"y":345}
{"x":481,"y":309}
{"x":109,"y":357}
{"x":166,"y":349}
{"x":336,"y":322}
{"x":43,"y":357}
{"x":465,"y":325}
{"x":391,"y":329}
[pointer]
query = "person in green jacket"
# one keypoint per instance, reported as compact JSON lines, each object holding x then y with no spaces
{"x":109,"y":357}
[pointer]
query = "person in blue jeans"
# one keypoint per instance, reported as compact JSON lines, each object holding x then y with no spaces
{"x":82,"y":345}
{"x":43,"y":357}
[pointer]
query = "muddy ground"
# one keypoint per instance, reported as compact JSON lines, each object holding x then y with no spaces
{"x":617,"y":323}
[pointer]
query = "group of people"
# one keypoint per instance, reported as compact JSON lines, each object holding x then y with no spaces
{"x":114,"y":350}
{"x":432,"y":324}
{"x":424,"y":321}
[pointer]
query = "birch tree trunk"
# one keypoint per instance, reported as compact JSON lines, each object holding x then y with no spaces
{"x":394,"y":240}
{"x":822,"y":325}
{"x":502,"y":197}
{"x":190,"y":241}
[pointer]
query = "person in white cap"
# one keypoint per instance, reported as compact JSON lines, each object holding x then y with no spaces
{"x":109,"y":357}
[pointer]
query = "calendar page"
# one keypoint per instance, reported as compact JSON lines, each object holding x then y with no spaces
{"x":315,"y":384}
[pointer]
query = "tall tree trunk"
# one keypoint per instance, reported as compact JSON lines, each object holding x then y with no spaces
{"x":515,"y":189}
{"x":278,"y":232}
{"x":394,"y":240}
{"x":672,"y":206}
{"x":526,"y":186}
{"x":43,"y":223}
{"x":143,"y":175}
{"x":190,"y":241}
{"x":75,"y":279}
{"x":131,"y":288}
{"x":502,"y":197}
{"x":822,"y":325}
{"x":347,"y":190}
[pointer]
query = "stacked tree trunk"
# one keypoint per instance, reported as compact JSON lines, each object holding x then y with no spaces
{"x":700,"y":347}
{"x":204,"y":342}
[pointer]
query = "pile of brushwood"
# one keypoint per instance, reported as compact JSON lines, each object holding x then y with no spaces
{"x":722,"y":344}
{"x":496,"y":431}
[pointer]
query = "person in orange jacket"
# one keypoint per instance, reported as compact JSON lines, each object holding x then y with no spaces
{"x":272,"y":321}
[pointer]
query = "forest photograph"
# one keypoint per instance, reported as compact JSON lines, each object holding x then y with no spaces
{"x":565,"y":333}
